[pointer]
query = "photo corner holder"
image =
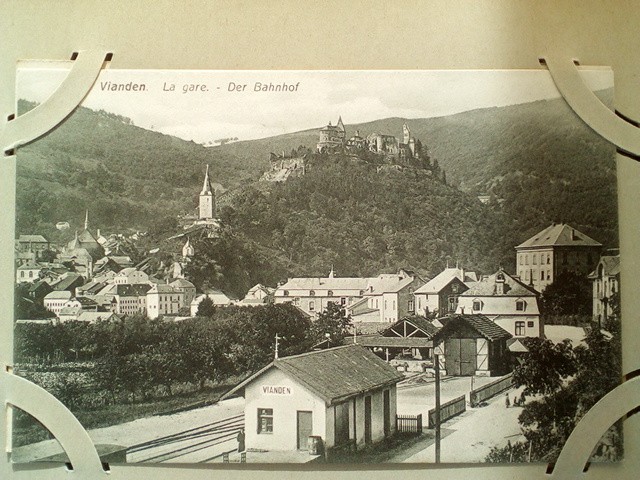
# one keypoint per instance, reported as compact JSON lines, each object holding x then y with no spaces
{"x":19,"y":392}
{"x":19,"y":130}
{"x":54,"y":415}
{"x":617,"y":129}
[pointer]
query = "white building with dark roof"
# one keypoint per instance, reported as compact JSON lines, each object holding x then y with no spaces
{"x":218,"y":297}
{"x":344,"y":395}
{"x":440,"y":294}
{"x":163,"y":300}
{"x":556,"y":249}
{"x":55,"y":301}
{"x":505,"y":300}
{"x":28,"y":272}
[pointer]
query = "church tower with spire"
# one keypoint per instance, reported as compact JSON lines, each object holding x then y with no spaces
{"x":207,"y":205}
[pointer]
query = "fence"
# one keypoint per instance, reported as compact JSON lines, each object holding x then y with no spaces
{"x":479,"y":395}
{"x":448,"y":410}
{"x":409,"y":423}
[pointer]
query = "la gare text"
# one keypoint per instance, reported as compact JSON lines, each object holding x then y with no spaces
{"x":109,"y":86}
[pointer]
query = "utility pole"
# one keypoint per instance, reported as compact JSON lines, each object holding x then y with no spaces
{"x":437,"y":412}
{"x":276,"y":352}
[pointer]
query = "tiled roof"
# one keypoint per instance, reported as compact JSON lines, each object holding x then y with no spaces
{"x":392,"y":342}
{"x":383,"y":283}
{"x":97,"y":316}
{"x":611,"y":264}
{"x":137,"y":290}
{"x":481,"y":324}
{"x":32,"y":238}
{"x":66,"y":281}
{"x":162,"y":289}
{"x":487,"y":287}
{"x":182,"y":283}
{"x":365,"y":328}
{"x":559,"y":235}
{"x":419,"y":322}
{"x":335,"y":374}
{"x":437,"y":283}
{"x":58,"y":295}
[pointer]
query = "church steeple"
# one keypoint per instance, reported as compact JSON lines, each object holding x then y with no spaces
{"x":207,"y":206}
{"x":86,"y":219}
{"x":206,"y":187}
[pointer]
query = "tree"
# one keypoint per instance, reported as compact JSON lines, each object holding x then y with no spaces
{"x":545,"y":367}
{"x":206,"y":308}
{"x":570,"y":380}
{"x":569,"y":294}
{"x":333,"y":322}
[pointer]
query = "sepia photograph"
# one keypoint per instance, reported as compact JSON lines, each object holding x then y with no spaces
{"x":317,"y":266}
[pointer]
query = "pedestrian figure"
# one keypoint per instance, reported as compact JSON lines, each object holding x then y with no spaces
{"x":240,"y":439}
{"x":522,"y":399}
{"x":516,"y":401}
{"x":507,"y":403}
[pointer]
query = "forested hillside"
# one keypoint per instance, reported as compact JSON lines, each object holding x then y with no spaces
{"x":538,"y":161}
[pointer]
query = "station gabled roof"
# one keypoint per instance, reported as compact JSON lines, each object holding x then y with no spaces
{"x":335,"y":374}
{"x":486,"y":327}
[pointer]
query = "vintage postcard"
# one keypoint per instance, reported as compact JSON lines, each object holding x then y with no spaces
{"x":317,"y":266}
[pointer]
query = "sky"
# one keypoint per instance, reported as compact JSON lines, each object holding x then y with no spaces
{"x":215,"y":104}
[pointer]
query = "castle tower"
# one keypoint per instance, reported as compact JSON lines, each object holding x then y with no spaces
{"x":406,"y":134}
{"x":207,"y":205}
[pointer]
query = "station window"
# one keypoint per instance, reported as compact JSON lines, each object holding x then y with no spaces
{"x":330,"y":293}
{"x":312,"y":293}
{"x":520,"y":305}
{"x":312,"y":306}
{"x":477,"y":305}
{"x":519,"y":329}
{"x":265,"y":420}
{"x":530,"y":324}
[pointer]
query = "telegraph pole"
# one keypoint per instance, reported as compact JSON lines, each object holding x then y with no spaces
{"x":437,"y":412}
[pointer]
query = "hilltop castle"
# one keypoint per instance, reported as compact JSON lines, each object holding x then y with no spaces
{"x":333,"y":139}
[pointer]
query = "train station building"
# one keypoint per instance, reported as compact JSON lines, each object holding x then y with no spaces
{"x":344,"y":396}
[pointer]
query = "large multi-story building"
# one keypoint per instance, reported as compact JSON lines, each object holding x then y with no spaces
{"x":163,"y":300}
{"x":384,"y":298}
{"x":557,"y":249}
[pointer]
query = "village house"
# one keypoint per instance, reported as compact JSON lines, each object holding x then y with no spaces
{"x":35,"y":244}
{"x":130,"y":276}
{"x":56,"y":300}
{"x":472,"y":345}
{"x":344,"y":395}
{"x":258,"y":295}
{"x":506,"y":301}
{"x":185,"y":287}
{"x":28,"y":272}
{"x":440,"y":294}
{"x":219,"y":299}
{"x":386,"y":299}
{"x":557,"y":249}
{"x":129,"y":299}
{"x":68,"y":281}
{"x":163,"y":300}
{"x":606,"y":284}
